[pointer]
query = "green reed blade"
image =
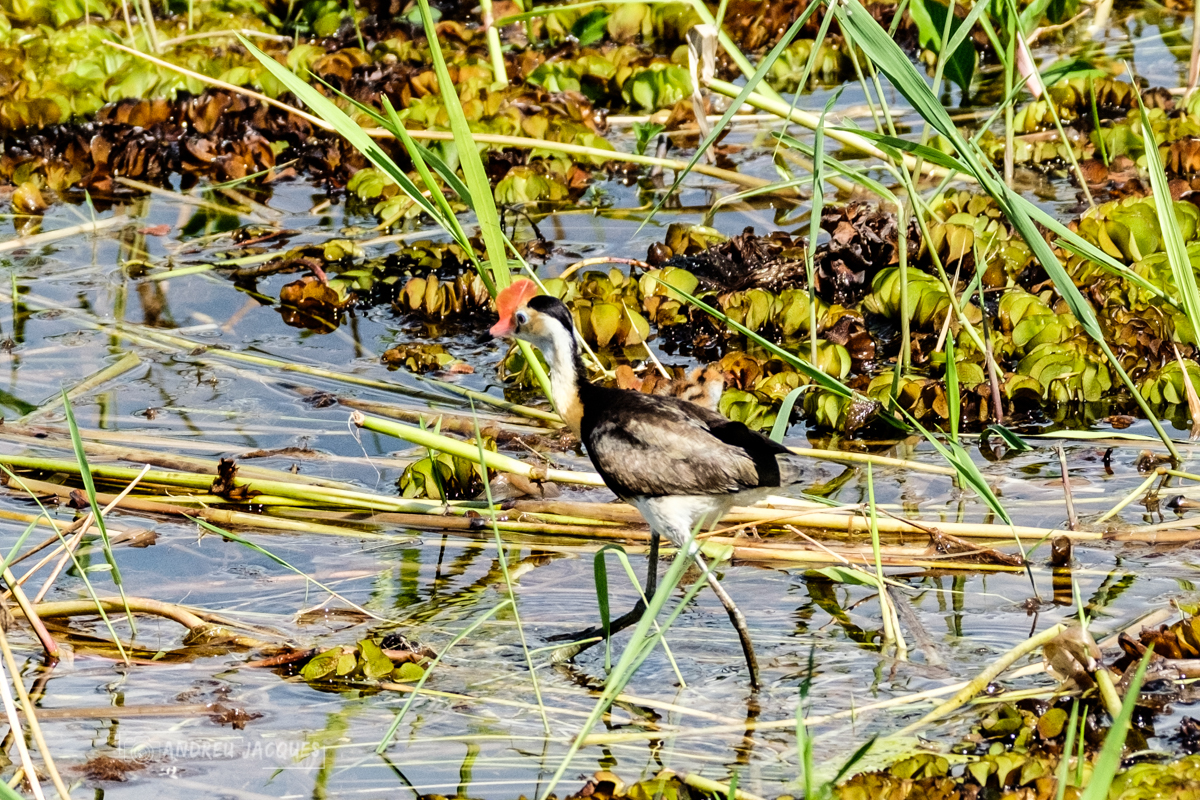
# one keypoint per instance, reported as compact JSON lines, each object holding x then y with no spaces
{"x":818,"y":202}
{"x":952,"y":388}
{"x":1109,"y":760}
{"x":89,"y":486}
{"x":508,"y":582}
{"x":891,"y":60}
{"x":1177,"y":254}
{"x":464,"y":633}
{"x":224,"y":534}
{"x":600,"y":575}
{"x":783,"y":418}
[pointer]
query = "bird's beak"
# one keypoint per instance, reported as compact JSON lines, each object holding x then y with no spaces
{"x":505,"y":328}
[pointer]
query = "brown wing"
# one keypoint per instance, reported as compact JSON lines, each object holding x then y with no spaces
{"x":656,"y":446}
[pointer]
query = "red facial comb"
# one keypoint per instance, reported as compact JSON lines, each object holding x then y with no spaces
{"x":509,"y":300}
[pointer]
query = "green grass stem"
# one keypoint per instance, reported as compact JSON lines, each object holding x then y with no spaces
{"x":464,"y":633}
{"x":456,"y":447}
{"x":1109,"y":760}
{"x":508,"y":581}
{"x":89,"y":486}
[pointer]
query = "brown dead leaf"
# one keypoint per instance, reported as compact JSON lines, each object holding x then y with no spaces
{"x":108,"y":768}
{"x":231,"y":715}
{"x":1072,"y":657}
{"x":225,"y":483}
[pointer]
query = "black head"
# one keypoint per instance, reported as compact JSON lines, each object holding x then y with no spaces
{"x":553,"y":307}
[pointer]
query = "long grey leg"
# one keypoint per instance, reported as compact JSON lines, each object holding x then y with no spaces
{"x":629,"y":618}
{"x":736,"y":617}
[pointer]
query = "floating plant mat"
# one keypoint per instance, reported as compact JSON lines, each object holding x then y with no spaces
{"x":437,"y":584}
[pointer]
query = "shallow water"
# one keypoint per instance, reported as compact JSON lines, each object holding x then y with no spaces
{"x":480,"y":732}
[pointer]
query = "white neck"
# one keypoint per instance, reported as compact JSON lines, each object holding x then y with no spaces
{"x":559,"y":349}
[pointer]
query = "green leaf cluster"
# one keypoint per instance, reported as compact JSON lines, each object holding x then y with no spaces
{"x":614,"y":75}
{"x":441,"y":476}
{"x":361,"y":661}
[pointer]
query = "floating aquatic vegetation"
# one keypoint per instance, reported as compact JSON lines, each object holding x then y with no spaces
{"x":435,"y":298}
{"x":832,"y":65}
{"x":312,"y":303}
{"x":1120,"y":134}
{"x":421,"y":357}
{"x":443,"y":476}
{"x":624,"y":73}
{"x":664,"y":24}
{"x":390,"y":658}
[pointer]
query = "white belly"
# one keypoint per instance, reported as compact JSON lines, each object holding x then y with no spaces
{"x":678,"y":517}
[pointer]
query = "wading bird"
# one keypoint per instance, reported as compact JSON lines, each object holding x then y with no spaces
{"x":681,"y":465}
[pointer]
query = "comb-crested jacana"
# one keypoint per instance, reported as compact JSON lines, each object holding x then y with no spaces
{"x":681,"y":465}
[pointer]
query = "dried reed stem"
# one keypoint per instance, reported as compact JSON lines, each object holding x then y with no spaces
{"x":14,"y":723}
{"x":980,"y":681}
{"x":35,"y":728}
{"x":37,"y":239}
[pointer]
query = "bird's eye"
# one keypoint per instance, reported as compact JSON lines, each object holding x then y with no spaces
{"x":522,"y":317}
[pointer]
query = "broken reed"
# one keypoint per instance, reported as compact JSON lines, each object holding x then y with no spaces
{"x":531,"y":518}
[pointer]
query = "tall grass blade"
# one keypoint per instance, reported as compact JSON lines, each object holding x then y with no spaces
{"x":783,"y":419}
{"x":1177,"y":255}
{"x":468,"y":158}
{"x":495,"y":273}
{"x":818,"y":203}
{"x":1076,"y":244}
{"x":966,"y":469}
{"x":393,"y":125}
{"x":89,"y":486}
{"x":640,"y":645}
{"x":1109,"y":760}
{"x":1060,"y":774}
{"x":952,"y":389}
{"x":508,"y":583}
{"x":346,"y":127}
{"x":600,"y":573}
{"x":855,"y":757}
{"x":804,"y":748}
{"x":606,"y":606}
{"x":464,"y":633}
{"x":891,"y":629}
{"x":418,"y":156}
{"x":753,"y":81}
{"x":891,"y":60}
